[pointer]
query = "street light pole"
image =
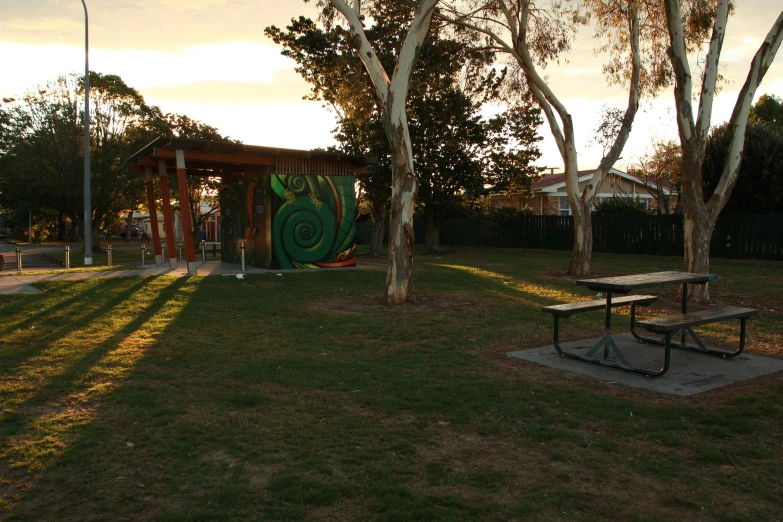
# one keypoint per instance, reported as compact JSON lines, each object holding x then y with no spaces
{"x":87,"y":188}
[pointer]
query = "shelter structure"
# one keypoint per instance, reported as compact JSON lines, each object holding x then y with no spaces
{"x":286,"y":208}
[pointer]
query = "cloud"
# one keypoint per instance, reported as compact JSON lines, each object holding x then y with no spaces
{"x":285,"y":87}
{"x":251,"y":62}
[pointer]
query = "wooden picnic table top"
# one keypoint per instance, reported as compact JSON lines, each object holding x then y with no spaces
{"x":626,"y":283}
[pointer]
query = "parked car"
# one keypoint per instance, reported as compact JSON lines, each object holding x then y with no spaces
{"x":135,"y":231}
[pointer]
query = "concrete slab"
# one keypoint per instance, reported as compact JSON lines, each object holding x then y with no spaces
{"x":20,"y":284}
{"x":11,"y":285}
{"x":689,"y":372}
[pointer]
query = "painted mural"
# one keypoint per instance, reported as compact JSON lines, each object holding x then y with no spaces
{"x":289,"y":221}
{"x":313,"y":222}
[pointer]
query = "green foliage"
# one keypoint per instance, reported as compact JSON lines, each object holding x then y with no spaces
{"x":456,"y":151}
{"x":42,"y":147}
{"x":759,"y":187}
{"x":620,"y":206}
{"x":767,"y":110}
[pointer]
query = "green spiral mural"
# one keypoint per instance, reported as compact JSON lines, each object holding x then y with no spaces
{"x":313,"y":225}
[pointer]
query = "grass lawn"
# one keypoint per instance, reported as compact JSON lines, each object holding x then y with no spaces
{"x":301,"y":397}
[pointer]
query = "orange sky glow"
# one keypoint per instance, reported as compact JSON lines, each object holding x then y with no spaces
{"x":210,"y":60}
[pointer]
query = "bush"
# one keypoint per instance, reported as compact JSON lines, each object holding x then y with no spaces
{"x":620,"y":206}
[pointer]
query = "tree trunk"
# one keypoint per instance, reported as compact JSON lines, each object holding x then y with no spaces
{"x":60,"y":226}
{"x":698,"y":233}
{"x":128,"y":223}
{"x":399,"y":276}
{"x":697,"y":224}
{"x":378,"y":230}
{"x":74,"y":230}
{"x":582,"y":254}
{"x":431,"y":233}
{"x":196,"y":235}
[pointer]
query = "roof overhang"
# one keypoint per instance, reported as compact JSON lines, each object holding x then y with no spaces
{"x":227,"y":159}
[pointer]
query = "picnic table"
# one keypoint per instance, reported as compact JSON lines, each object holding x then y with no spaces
{"x":668,"y":326}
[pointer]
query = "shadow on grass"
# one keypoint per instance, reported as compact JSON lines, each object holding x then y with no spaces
{"x":39,"y":424}
{"x":73,"y":321}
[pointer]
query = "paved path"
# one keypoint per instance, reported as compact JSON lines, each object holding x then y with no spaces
{"x":18,"y":284}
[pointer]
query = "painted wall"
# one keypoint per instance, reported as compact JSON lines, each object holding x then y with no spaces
{"x":290,"y":221}
{"x":314,"y":221}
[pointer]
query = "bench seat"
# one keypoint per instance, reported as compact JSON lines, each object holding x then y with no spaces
{"x":569,"y":309}
{"x":687,"y":320}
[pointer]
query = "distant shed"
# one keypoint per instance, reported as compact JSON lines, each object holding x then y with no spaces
{"x":291,"y":208}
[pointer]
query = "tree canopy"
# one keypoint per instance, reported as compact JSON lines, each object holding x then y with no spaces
{"x":759,"y":188}
{"x":456,"y":151}
{"x":42,"y":149}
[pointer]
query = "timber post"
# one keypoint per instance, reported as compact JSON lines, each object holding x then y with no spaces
{"x":153,"y":211}
{"x":184,"y":211}
{"x":168,"y":217}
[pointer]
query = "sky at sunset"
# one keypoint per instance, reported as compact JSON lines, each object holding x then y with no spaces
{"x":209,"y":59}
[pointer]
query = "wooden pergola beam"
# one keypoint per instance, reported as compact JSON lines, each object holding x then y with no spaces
{"x":219,"y":157}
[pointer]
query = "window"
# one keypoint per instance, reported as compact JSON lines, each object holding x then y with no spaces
{"x":562,"y":207}
{"x":645,"y":204}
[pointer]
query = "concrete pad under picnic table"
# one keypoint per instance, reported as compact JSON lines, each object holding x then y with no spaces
{"x":689,"y":372}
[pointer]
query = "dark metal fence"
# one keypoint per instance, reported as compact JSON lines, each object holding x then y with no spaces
{"x":735,"y":236}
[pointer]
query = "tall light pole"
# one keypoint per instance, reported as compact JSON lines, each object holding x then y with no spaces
{"x":87,"y":189}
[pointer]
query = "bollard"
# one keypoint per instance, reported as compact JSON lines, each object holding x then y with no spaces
{"x":214,"y":250}
{"x":143,"y":252}
{"x":179,"y":245}
{"x":242,"y":258}
{"x":108,"y":255}
{"x":67,"y":257}
{"x":18,"y":259}
{"x":203,"y":251}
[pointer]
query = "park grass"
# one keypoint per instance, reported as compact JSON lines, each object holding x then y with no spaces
{"x":299,"y":397}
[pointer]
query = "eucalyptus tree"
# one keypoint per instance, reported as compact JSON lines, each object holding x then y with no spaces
{"x":392,"y":92}
{"x":700,"y":210}
{"x":456,"y":151}
{"x":533,"y":34}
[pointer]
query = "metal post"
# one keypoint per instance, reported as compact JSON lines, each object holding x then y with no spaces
{"x":108,"y":255}
{"x":203,"y":251}
{"x":143,"y":252}
{"x":242,"y":258}
{"x":180,"y":250}
{"x":67,"y":257}
{"x":87,"y":189}
{"x":214,"y":250}
{"x":18,"y":259}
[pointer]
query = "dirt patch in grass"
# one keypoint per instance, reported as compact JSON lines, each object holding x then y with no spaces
{"x":425,"y":304}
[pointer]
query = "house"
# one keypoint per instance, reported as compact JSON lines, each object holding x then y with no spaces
{"x":550,"y":198}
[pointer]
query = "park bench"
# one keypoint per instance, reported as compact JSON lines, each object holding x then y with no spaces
{"x":668,"y":326}
{"x":568,"y":309}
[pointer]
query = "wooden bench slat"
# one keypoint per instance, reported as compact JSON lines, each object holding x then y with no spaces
{"x":677,"y":322}
{"x":564,"y":310}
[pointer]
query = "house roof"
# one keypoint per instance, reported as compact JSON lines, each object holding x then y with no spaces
{"x":550,"y":182}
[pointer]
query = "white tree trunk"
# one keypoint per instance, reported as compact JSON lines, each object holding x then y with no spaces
{"x":700,"y":217}
{"x":392,"y":94}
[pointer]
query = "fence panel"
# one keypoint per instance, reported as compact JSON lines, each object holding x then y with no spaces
{"x":735,"y":236}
